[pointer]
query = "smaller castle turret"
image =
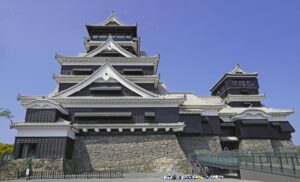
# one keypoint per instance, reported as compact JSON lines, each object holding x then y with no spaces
{"x":238,"y":88}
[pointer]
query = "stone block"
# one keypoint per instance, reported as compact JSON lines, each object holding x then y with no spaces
{"x":132,"y":153}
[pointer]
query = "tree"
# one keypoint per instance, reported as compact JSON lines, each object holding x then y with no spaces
{"x":5,"y":149}
{"x":5,"y":113}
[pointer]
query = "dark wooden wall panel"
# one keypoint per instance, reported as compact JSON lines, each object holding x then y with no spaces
{"x":193,"y":123}
{"x":162,"y":115}
{"x":47,"y":147}
{"x":41,"y":115}
{"x":211,"y":125}
{"x":86,"y":91}
{"x":67,"y":69}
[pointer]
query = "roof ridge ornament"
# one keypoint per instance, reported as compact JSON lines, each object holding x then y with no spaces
{"x":237,"y":70}
{"x":113,"y":13}
{"x":112,"y":18}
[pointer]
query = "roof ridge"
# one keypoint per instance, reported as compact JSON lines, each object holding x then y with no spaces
{"x":112,"y":18}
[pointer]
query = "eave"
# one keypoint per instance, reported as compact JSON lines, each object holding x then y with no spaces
{"x":21,"y":125}
{"x":135,"y":79}
{"x":244,"y":98}
{"x":179,"y":126}
{"x":102,"y":102}
{"x":114,"y":61}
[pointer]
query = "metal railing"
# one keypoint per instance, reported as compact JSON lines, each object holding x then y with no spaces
{"x":25,"y":164}
{"x":219,"y":159}
{"x":287,"y":163}
{"x":281,"y":163}
{"x":76,"y":174}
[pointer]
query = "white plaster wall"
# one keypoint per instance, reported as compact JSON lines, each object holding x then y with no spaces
{"x":45,"y":132}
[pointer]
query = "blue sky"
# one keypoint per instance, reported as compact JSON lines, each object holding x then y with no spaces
{"x":198,"y":40}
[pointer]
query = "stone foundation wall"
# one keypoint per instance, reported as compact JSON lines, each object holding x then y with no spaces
{"x":255,"y":145}
{"x":8,"y":169}
{"x":199,"y":144}
{"x":283,"y":145}
{"x":132,"y":153}
{"x":51,"y":165}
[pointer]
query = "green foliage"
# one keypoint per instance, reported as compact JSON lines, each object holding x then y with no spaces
{"x":5,"y":113}
{"x":6,"y":149}
{"x":298,"y":149}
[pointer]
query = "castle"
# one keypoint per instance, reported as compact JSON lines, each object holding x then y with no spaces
{"x":110,"y":110}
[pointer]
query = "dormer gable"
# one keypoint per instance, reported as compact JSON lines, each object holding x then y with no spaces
{"x":109,"y":45}
{"x":106,"y":72}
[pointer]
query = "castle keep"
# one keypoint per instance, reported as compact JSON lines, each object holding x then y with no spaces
{"x":111,"y":110}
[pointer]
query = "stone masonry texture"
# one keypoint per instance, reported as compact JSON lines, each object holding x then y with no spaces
{"x":255,"y":145}
{"x":283,"y":145}
{"x":199,"y":144}
{"x":131,"y":153}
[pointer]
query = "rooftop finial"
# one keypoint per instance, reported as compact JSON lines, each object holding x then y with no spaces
{"x":113,"y":13}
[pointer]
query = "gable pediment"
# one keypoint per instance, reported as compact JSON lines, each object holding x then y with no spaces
{"x":253,"y":114}
{"x":109,"y":45}
{"x":107,"y":73}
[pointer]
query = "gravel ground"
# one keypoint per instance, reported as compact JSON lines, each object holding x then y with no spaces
{"x":129,"y":180}
{"x":139,"y":177}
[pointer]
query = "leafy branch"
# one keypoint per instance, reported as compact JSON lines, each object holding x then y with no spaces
{"x":6,"y":113}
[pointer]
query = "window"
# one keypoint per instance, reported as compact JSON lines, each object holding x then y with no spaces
{"x":128,"y":36}
{"x":95,"y":36}
{"x":82,"y":71}
{"x":246,"y":104}
{"x":133,"y":72}
{"x":149,"y":117}
{"x":234,"y":82}
{"x":106,"y":91}
{"x":243,"y":83}
{"x":244,"y":92}
{"x":102,"y":37}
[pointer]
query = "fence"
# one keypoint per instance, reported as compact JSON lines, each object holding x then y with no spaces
{"x":281,"y":163}
{"x":76,"y":174}
{"x":287,"y":163}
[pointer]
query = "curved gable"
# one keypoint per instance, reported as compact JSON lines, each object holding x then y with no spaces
{"x":106,"y":72}
{"x":45,"y":104}
{"x":110,"y":44}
